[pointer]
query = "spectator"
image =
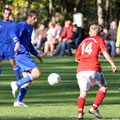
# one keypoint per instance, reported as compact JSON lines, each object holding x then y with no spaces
{"x":33,"y":36}
{"x":50,"y":39}
{"x":64,"y":37}
{"x":41,"y":37}
{"x":58,"y":31}
{"x":77,"y":36}
{"x":112,"y":34}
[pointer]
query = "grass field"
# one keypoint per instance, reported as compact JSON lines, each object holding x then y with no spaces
{"x":58,"y":102}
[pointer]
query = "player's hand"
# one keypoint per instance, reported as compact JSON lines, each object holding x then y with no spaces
{"x":114,"y":68}
{"x":17,"y":46}
{"x":117,"y":50}
{"x":40,"y":59}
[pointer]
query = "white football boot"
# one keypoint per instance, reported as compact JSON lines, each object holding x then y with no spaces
{"x":19,"y":104}
{"x":80,"y":116}
{"x":14,"y":88}
{"x":95,"y":113}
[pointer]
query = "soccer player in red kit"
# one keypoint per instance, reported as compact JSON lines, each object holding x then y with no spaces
{"x":89,"y":71}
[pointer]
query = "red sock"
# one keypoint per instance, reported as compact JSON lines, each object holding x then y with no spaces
{"x":81,"y":102}
{"x":99,"y":97}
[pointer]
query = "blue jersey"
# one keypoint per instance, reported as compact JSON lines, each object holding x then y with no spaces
{"x":5,"y":28}
{"x":21,"y":32}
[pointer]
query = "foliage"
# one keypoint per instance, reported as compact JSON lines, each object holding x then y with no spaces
{"x":63,"y":10}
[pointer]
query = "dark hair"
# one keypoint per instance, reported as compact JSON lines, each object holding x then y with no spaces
{"x":8,"y":9}
{"x":75,"y":25}
{"x":33,"y":12}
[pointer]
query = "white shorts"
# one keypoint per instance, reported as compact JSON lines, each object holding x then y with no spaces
{"x":86,"y":79}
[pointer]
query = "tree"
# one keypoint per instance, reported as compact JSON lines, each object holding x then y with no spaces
{"x":100,"y":12}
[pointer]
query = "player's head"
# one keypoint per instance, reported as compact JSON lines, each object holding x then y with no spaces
{"x":94,"y":30}
{"x":32,"y":17}
{"x":6,"y":14}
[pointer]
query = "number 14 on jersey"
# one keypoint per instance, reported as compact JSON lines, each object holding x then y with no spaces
{"x":87,"y":49}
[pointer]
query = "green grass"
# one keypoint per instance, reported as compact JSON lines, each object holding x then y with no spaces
{"x":58,"y":102}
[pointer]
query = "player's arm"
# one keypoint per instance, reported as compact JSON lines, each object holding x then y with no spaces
{"x":107,"y":56}
{"x":15,"y":34}
{"x":35,"y":53}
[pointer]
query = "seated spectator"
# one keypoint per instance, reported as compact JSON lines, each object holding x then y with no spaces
{"x":58,"y":31}
{"x":112,"y":34}
{"x":77,"y":36}
{"x":50,"y":39}
{"x":40,"y":37}
{"x":104,"y":36}
{"x":63,"y":40}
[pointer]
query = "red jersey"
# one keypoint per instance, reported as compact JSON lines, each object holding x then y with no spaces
{"x":87,"y":54}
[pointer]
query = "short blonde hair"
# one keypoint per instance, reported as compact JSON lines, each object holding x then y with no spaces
{"x":68,"y":22}
{"x":94,"y":30}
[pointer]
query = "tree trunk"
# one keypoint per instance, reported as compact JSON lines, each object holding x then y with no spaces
{"x":65,"y":9}
{"x":100,"y":12}
{"x":52,"y":10}
{"x":107,"y":6}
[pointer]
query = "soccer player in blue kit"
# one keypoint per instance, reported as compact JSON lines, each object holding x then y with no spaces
{"x":21,"y":34}
{"x":6,"y":49}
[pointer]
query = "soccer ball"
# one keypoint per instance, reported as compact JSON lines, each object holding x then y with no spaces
{"x":54,"y":79}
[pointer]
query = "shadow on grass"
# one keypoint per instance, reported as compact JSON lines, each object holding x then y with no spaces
{"x":30,"y":118}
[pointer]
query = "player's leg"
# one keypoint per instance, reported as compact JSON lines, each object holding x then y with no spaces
{"x":81,"y":103}
{"x":15,"y":68}
{"x":27,"y":65}
{"x":84,"y":85}
{"x":0,"y":66}
{"x":23,"y":89}
{"x":1,"y":55}
{"x":9,"y":55}
{"x":100,"y":80}
{"x":22,"y":93}
{"x":35,"y":73}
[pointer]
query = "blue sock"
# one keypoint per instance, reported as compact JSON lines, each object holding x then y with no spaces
{"x":0,"y":70}
{"x":17,"y":73}
{"x":24,"y":80}
{"x":22,"y":93}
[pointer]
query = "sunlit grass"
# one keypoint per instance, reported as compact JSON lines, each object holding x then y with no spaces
{"x":58,"y":102}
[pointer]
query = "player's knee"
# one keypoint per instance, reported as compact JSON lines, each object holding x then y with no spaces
{"x":104,"y":88}
{"x":36,"y":74}
{"x":83,"y":93}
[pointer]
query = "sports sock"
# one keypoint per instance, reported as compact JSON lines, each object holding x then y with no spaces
{"x":81,"y":103}
{"x":17,"y":73}
{"x":99,"y":97}
{"x":0,"y":70}
{"x":24,"y":80}
{"x":22,"y":93}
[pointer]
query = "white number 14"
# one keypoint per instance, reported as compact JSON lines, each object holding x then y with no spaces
{"x":87,"y":49}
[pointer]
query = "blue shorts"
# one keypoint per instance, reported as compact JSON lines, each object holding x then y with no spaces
{"x":25,"y":62}
{"x":6,"y":51}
